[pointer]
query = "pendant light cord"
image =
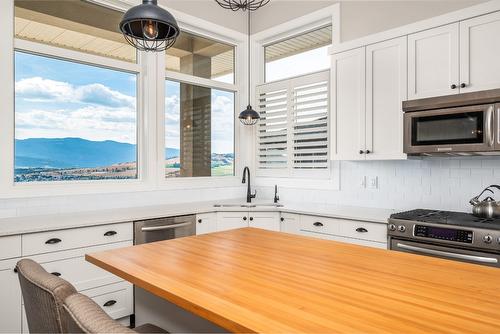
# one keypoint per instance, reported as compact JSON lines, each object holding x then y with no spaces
{"x":249,"y":75}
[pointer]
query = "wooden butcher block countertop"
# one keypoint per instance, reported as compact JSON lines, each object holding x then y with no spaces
{"x":252,"y":280}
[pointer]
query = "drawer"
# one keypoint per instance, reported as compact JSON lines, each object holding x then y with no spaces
{"x":319,"y":224}
{"x":53,"y":241}
{"x":82,"y":274}
{"x":116,"y":299}
{"x":10,"y":247}
{"x":360,"y":242}
{"x":364,"y":230}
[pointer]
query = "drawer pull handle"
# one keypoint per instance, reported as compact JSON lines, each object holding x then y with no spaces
{"x":53,"y":241}
{"x":55,"y":273}
{"x":110,"y":233}
{"x":318,"y":224}
{"x":361,"y":230}
{"x":110,"y":303}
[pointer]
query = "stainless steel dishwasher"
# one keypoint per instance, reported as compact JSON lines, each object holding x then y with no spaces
{"x":152,"y":230}
{"x":149,"y":308}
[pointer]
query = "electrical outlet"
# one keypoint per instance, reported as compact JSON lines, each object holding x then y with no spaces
{"x":363,"y":182}
{"x":373,"y":182}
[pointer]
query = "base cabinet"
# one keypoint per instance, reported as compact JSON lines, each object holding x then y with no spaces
{"x":206,"y":223}
{"x":10,"y":296}
{"x":265,"y":220}
{"x":231,"y":220}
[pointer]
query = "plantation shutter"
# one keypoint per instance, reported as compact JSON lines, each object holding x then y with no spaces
{"x":293,"y":133}
{"x":310,"y":106}
{"x":272,"y":129}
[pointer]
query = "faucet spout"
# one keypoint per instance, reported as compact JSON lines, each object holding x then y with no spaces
{"x":246,"y":171}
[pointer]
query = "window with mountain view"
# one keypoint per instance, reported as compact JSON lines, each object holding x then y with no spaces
{"x":73,"y":121}
{"x":199,"y":131}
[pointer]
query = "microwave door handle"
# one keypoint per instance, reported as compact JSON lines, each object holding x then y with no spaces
{"x":472,"y":258}
{"x":498,"y":124}
{"x":165,"y":227}
{"x":489,"y":126}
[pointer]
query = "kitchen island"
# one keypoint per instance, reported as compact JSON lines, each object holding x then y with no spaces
{"x":252,"y":280}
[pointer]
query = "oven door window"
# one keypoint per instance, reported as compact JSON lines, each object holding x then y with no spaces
{"x":448,"y":129}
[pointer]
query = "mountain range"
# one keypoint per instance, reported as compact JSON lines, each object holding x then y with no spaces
{"x":75,"y":153}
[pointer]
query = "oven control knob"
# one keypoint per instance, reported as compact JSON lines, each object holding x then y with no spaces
{"x":488,"y":239}
{"x":392,"y":227}
{"x":401,"y":228}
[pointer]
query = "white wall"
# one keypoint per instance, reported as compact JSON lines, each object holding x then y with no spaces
{"x":436,"y":183}
{"x":358,"y":18}
{"x":210,"y":11}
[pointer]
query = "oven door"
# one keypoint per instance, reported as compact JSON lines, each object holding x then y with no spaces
{"x":449,"y":253}
{"x":463,"y":129}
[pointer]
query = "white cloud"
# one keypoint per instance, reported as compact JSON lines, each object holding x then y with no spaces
{"x":46,"y":90}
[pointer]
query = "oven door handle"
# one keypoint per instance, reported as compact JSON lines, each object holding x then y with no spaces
{"x":473,"y":258}
{"x":164,"y":227}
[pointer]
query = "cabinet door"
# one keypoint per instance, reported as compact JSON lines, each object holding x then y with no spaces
{"x":231,"y":220}
{"x":479,"y":53}
{"x":10,"y":295}
{"x":290,"y":223}
{"x":348,"y":101}
{"x":265,"y":220}
{"x":386,"y":80}
{"x":433,"y":62}
{"x":206,"y":223}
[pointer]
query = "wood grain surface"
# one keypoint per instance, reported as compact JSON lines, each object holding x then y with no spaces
{"x":252,"y":280}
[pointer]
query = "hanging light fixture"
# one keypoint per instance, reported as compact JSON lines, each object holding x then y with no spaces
{"x":148,"y":27}
{"x":235,"y":5}
{"x":247,"y":116}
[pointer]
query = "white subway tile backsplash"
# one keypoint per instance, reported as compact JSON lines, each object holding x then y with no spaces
{"x":436,"y":183}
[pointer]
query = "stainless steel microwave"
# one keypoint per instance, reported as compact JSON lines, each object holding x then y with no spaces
{"x":465,"y":124}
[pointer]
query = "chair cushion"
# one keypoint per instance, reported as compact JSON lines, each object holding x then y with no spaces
{"x":43,"y":295}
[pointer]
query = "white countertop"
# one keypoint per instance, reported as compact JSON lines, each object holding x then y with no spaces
{"x":40,"y":223}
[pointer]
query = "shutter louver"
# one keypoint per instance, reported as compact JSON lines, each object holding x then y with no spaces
{"x":293,"y":132}
{"x":272,"y":132}
{"x":310,"y":123}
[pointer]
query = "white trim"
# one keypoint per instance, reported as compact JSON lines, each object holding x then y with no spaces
{"x":434,"y":22}
{"x":76,"y":56}
{"x":199,"y":81}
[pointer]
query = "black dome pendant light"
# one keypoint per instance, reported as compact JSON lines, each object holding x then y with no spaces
{"x":249,"y":116}
{"x":148,"y":27}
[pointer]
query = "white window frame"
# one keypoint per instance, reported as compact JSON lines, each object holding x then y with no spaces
{"x":290,"y":29}
{"x":150,"y":109}
{"x":236,"y":88}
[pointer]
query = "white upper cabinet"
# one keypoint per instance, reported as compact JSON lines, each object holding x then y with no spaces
{"x":480,"y":53}
{"x":348,"y":101}
{"x":370,"y":84}
{"x":386,"y":89}
{"x":433,"y":58}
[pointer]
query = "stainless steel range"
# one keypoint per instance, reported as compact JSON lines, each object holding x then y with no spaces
{"x":445,"y":234}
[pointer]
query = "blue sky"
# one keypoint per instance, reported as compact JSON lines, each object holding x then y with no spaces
{"x":57,"y":99}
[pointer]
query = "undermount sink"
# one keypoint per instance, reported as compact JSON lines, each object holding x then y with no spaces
{"x":248,"y":205}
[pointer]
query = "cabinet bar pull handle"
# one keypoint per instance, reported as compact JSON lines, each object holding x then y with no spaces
{"x":110,"y":233}
{"x":53,"y":241}
{"x":110,"y":303}
{"x":361,"y":230}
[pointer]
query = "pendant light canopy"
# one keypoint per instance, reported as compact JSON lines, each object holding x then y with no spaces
{"x":247,"y":116}
{"x":235,"y":5}
{"x":148,"y":27}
